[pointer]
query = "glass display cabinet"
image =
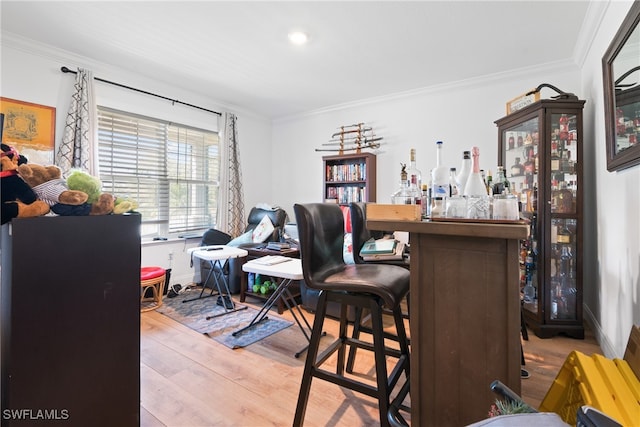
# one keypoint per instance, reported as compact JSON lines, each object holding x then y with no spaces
{"x":540,"y":147}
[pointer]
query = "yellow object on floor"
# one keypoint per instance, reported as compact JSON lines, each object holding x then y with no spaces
{"x":607,"y":385}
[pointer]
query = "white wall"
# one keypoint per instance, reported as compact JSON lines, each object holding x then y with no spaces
{"x":31,"y":72}
{"x":612,"y":284}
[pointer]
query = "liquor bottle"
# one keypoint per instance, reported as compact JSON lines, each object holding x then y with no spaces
{"x":529,"y":266}
{"x":413,"y":174}
{"x":465,"y":170}
{"x":453,"y":185}
{"x":525,"y":197}
{"x":555,"y":155}
{"x":534,"y":199}
{"x":475,"y":186}
{"x":564,"y":236}
{"x":556,"y":298}
{"x":564,"y":127}
{"x":565,"y":285}
{"x":565,"y":162}
{"x":562,"y":199}
{"x":489,"y":182}
{"x":403,"y":195}
{"x":528,"y":154}
{"x":517,"y":169}
{"x":439,"y":176}
{"x":499,"y":184}
{"x":425,"y":203}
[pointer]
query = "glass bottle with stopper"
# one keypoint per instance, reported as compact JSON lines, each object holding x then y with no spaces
{"x":414,"y":177}
{"x":404,"y":195}
{"x":465,"y":170}
{"x":475,"y":185}
{"x":440,"y":176}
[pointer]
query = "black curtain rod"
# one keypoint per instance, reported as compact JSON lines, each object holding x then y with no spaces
{"x":67,"y":70}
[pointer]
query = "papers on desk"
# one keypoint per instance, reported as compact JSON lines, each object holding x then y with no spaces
{"x":270,"y":260}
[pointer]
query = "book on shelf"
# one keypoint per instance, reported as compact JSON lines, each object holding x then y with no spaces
{"x":378,"y":246}
{"x":397,"y":254}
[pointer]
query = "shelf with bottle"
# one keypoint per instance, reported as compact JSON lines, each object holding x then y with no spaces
{"x":563,"y":197}
{"x":562,"y":269}
{"x":524,"y":136}
{"x":529,"y":265}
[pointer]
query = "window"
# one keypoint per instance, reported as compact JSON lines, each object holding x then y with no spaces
{"x":171,"y":170}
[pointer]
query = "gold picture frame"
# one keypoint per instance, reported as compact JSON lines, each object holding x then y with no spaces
{"x":29,"y":128}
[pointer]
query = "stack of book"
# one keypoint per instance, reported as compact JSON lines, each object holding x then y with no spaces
{"x":382,"y":249}
{"x":278,"y":246}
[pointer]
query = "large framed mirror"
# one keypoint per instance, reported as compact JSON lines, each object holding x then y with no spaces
{"x":621,"y":71}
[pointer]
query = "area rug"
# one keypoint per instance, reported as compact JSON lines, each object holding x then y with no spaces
{"x":194,"y":315}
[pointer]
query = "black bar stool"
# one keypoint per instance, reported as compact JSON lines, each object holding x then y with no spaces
{"x":359,"y":236}
{"x":371,"y":286}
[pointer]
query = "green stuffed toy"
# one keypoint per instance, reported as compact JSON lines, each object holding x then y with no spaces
{"x":124,"y":205}
{"x":82,"y":181}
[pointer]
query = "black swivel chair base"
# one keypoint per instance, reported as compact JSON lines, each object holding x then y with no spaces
{"x":385,"y":384}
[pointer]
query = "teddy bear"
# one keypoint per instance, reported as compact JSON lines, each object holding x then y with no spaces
{"x":48,"y":184}
{"x":18,"y":199}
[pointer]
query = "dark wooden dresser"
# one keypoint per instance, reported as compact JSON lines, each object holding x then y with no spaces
{"x":70,"y":321}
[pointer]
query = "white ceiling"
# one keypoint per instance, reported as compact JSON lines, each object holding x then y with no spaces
{"x":237,"y":52}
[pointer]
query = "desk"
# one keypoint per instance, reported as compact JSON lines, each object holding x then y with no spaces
{"x":260,"y":251}
{"x":288,"y":271}
{"x":215,"y":254}
{"x":464,"y":316}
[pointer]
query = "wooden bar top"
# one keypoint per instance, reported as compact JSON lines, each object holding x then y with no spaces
{"x":495,"y":229}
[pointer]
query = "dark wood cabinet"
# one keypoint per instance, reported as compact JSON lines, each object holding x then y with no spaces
{"x":540,"y":148}
{"x":350,"y":178}
{"x":70,"y":321}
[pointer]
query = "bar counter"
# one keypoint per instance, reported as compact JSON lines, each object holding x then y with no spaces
{"x":464,"y":316}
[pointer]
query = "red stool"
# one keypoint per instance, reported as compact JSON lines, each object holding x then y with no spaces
{"x":151,"y":278}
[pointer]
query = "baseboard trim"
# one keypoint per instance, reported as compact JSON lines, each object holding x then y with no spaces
{"x":601,"y":338}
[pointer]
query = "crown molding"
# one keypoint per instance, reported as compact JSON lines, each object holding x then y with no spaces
{"x":64,"y":57}
{"x":566,"y":65}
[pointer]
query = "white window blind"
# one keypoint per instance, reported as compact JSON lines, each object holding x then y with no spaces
{"x":171,"y":170}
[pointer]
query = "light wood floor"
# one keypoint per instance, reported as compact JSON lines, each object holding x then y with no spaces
{"x":188,"y":379}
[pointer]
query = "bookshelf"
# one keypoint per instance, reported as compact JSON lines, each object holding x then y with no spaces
{"x":349,"y":178}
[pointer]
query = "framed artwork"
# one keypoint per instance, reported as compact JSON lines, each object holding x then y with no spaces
{"x":30,"y":128}
{"x":621,"y":74}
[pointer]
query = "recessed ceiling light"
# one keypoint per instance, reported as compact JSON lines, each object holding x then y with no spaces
{"x":298,"y":37}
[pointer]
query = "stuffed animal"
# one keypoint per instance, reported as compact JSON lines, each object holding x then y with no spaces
{"x":82,"y":181}
{"x":18,"y":199}
{"x":50,"y":187}
{"x":124,"y":205}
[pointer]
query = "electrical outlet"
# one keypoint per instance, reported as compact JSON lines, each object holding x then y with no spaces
{"x":171,"y":256}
